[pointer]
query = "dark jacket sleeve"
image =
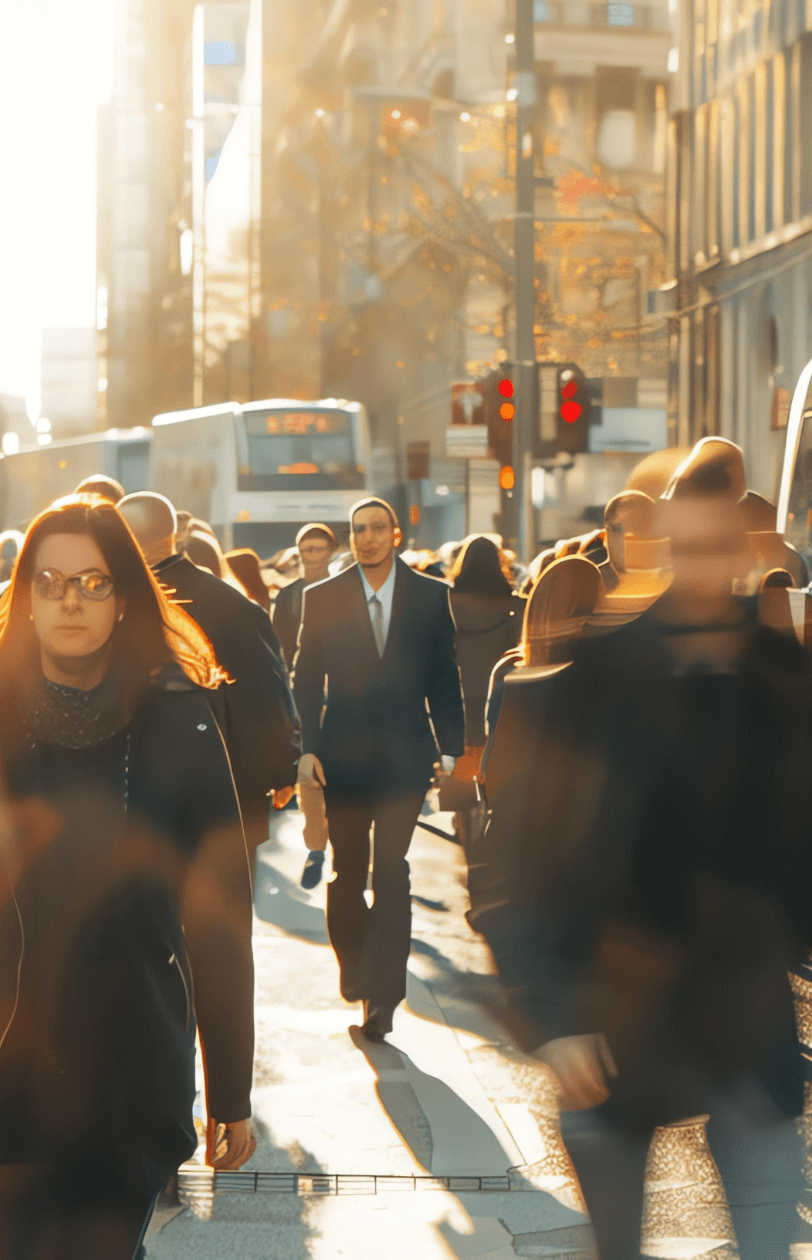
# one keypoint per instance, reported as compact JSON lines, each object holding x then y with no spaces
{"x":262,"y":725}
{"x":309,"y":673}
{"x":286,"y":624}
{"x":216,"y":910}
{"x":543,"y":797}
{"x":444,"y":690}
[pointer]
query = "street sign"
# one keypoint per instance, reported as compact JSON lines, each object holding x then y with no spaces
{"x":467,"y":441}
{"x":467,"y":403}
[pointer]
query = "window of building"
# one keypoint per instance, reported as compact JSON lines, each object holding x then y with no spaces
{"x":714,"y":200}
{"x":699,"y":30}
{"x":736,"y":148}
{"x":789,"y":136}
{"x":617,"y":139}
{"x":804,"y":107}
{"x":548,"y":11}
{"x":672,"y":182}
{"x":614,"y":14}
{"x":768,"y":127}
{"x":620,"y":15}
{"x":752,"y":166}
{"x":712,"y":371}
{"x":700,"y":189}
{"x":727,"y":169}
{"x":778,"y":139}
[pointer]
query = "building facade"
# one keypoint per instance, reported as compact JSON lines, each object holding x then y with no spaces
{"x":740,"y":225}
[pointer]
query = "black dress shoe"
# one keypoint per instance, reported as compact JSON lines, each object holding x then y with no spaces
{"x":377,"y":1022}
{"x":313,"y":867}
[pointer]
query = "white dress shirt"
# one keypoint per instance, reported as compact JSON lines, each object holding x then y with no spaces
{"x":385,"y":595}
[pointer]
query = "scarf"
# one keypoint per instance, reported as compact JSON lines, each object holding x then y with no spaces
{"x":71,"y":718}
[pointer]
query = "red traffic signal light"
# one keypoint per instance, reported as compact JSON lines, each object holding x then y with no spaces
{"x":574,"y":409}
{"x":569,"y":408}
{"x":507,"y":411}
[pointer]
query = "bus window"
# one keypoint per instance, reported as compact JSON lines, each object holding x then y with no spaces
{"x":293,"y":450}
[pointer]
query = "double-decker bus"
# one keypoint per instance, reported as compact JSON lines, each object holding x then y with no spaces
{"x":258,"y":471}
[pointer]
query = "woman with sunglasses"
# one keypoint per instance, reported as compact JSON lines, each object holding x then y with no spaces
{"x":125,"y":898}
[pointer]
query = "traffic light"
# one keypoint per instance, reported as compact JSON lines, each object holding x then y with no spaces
{"x":574,"y":410}
{"x":500,"y":411}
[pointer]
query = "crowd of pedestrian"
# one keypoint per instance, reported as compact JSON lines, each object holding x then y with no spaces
{"x":622,"y":732}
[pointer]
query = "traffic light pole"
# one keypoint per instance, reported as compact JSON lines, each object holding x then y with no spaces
{"x":524,"y":256}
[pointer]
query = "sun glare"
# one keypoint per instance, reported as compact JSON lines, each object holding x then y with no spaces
{"x":57,"y":71}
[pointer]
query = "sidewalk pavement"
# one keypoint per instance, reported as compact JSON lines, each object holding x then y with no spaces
{"x":446,"y":1095}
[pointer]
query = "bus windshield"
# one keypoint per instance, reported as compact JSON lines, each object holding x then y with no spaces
{"x":312,"y":448}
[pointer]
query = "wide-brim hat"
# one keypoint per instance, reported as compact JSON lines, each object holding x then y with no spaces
{"x":562,"y":601}
{"x":653,"y":473}
{"x":714,"y":466}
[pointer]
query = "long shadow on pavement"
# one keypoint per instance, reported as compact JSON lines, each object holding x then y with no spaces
{"x":278,"y":900}
{"x":444,"y":1134}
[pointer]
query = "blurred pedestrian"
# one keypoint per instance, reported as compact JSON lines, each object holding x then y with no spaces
{"x":246,"y":567}
{"x":130,"y":887}
{"x":376,"y":661}
{"x":488,"y":619}
{"x":11,"y":541}
{"x":316,"y":544}
{"x":107,"y":487}
{"x":659,"y":799}
{"x":203,"y":549}
{"x":260,"y":723}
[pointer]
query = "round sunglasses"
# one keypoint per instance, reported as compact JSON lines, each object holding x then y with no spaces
{"x":51,"y":584}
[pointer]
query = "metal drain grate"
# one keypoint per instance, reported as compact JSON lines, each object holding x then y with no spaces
{"x":205,"y":1181}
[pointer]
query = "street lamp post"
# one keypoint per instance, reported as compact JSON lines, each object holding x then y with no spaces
{"x":520,"y":526}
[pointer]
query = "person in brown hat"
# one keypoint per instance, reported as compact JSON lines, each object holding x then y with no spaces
{"x":316,"y":544}
{"x":656,"y":819}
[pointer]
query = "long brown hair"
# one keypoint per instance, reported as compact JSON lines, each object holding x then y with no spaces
{"x":154,"y":632}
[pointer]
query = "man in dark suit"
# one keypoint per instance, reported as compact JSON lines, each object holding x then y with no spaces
{"x":380,"y":638}
{"x":259,"y":720}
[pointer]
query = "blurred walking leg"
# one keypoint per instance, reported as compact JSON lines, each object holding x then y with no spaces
{"x":761,"y":1166}
{"x":347,"y":911}
{"x":611,"y":1170}
{"x":389,"y":928}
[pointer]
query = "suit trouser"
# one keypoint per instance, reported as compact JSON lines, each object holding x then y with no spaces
{"x":371,"y":943}
{"x":761,"y":1166}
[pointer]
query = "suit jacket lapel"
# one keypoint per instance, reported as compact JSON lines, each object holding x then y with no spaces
{"x":399,"y":605}
{"x":359,"y":614}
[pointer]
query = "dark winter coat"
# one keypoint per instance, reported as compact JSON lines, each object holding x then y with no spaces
{"x":120,"y":847}
{"x":287,"y":617}
{"x":487,"y":628}
{"x":646,"y":869}
{"x":375,"y":736}
{"x":259,"y":719}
